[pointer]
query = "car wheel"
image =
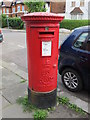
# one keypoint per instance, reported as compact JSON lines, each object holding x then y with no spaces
{"x":71,"y":80}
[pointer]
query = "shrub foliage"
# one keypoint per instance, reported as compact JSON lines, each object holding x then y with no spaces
{"x":71,"y":24}
{"x":15,"y":23}
{"x":35,"y":6}
{"x":3,"y":20}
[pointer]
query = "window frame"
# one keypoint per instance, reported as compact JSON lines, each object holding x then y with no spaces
{"x":83,"y":3}
{"x":84,"y":45}
{"x":87,"y":41}
{"x":23,"y":8}
{"x":18,"y":7}
{"x":3,"y":10}
{"x":7,"y":10}
{"x":72,"y":2}
{"x":13,"y":9}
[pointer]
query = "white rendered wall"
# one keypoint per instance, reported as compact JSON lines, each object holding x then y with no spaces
{"x":69,"y":8}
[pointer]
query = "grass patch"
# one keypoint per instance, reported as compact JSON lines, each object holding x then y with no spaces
{"x":65,"y":101}
{"x":25,"y":104}
{"x":22,"y":81}
{"x":41,"y":114}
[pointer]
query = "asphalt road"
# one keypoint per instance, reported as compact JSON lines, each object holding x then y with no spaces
{"x":14,"y":51}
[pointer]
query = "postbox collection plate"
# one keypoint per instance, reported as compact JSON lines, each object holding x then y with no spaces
{"x":46,"y":48}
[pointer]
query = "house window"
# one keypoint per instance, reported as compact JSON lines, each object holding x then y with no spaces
{"x":80,"y":17}
{"x":23,"y":8}
{"x":0,"y":11}
{"x":7,"y":10}
{"x":73,"y":3}
{"x":82,"y":3}
{"x":76,"y":17}
{"x":18,"y":8}
{"x":3,"y":10}
{"x":13,"y":10}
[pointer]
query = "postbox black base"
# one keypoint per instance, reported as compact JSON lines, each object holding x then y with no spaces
{"x":42,"y":100}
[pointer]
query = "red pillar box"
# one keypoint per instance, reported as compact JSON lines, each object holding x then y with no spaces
{"x":42,"y":31}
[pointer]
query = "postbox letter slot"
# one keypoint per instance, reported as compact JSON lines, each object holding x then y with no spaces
{"x":46,"y":33}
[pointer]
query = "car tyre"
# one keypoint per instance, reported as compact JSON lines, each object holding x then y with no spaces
{"x":71,"y":80}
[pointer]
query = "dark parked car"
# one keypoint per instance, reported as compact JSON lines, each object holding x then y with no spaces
{"x":1,"y":36}
{"x":74,"y":60}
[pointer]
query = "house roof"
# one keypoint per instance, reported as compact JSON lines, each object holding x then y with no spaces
{"x":19,"y":1}
{"x":76,"y":10}
{"x":6,"y":3}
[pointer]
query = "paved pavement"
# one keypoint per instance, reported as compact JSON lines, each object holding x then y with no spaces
{"x":13,"y":68}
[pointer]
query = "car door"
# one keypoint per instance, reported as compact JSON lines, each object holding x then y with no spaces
{"x":82,"y":55}
{"x":88,"y":56}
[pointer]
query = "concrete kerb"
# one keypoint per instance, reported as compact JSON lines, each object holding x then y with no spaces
{"x":74,"y":100}
{"x":77,"y":101}
{"x":13,"y":30}
{"x":65,"y":31}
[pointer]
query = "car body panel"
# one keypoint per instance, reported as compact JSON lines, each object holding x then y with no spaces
{"x":75,"y":58}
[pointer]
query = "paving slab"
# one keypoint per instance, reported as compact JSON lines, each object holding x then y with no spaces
{"x":14,"y":92}
{"x":9,"y":78}
{"x":1,"y":77}
{"x":15,"y":69}
{"x":15,"y":111}
{"x":5,"y":103}
{"x":0,"y":102}
{"x":64,"y":112}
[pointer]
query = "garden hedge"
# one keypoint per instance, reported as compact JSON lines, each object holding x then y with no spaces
{"x":17,"y":23}
{"x":71,"y":24}
{"x":3,"y":20}
{"x":14,"y":23}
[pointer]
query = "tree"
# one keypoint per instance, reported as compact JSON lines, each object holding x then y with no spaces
{"x":34,"y":6}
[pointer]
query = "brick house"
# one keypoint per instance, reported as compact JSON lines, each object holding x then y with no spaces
{"x":58,"y":7}
{"x":16,"y":8}
{"x":5,"y":8}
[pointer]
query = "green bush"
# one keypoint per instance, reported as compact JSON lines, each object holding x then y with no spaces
{"x":3,"y":21}
{"x":16,"y":23}
{"x":71,"y":24}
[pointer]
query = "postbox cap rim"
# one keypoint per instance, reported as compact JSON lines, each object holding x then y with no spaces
{"x":43,"y":15}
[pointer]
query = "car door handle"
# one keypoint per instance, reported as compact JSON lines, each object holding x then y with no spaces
{"x":83,"y":58}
